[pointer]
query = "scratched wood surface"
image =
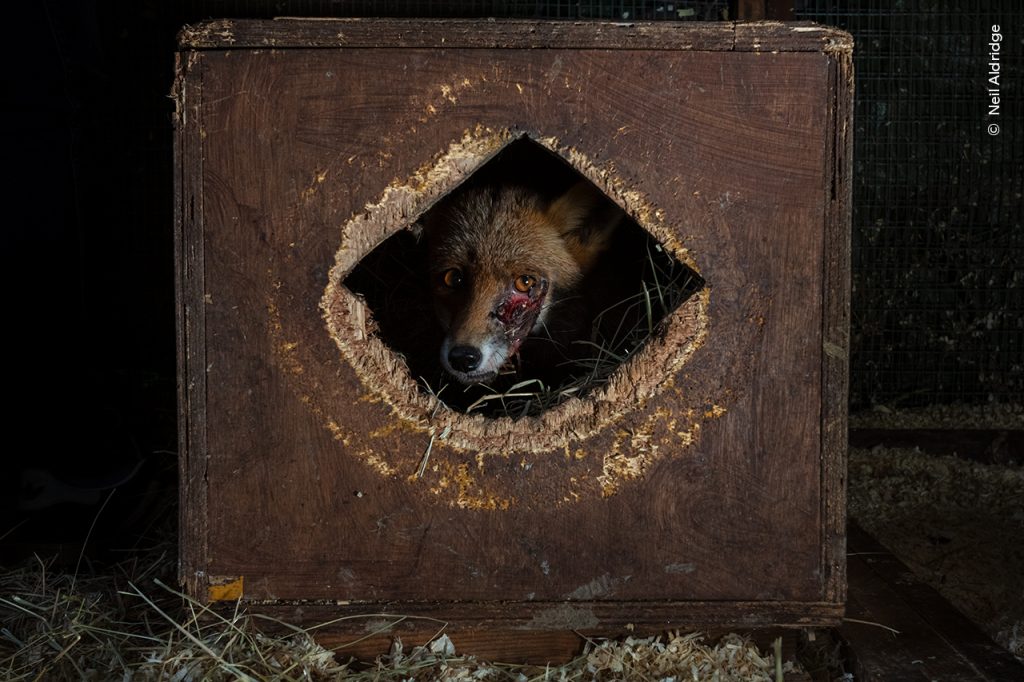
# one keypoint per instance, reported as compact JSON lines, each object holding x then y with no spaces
{"x":761,"y":36}
{"x":277,"y":149}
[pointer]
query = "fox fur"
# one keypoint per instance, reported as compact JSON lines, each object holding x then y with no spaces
{"x":503,"y":262}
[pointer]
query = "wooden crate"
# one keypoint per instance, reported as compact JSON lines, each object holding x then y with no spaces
{"x":704,"y":486}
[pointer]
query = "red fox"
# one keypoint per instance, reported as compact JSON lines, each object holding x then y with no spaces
{"x":500,"y":259}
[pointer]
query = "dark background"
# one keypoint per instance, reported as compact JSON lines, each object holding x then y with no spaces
{"x":938,"y":253}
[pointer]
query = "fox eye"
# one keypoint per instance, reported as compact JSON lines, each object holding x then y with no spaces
{"x":452,"y":278}
{"x":524,"y":283}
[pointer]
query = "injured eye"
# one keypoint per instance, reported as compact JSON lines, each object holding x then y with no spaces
{"x":524,"y":283}
{"x":452,"y":278}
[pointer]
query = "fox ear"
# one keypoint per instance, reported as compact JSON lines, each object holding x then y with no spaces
{"x":585,"y":220}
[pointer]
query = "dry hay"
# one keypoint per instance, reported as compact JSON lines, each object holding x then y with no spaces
{"x":108,"y":627}
{"x":674,"y":657}
{"x":957,"y":524}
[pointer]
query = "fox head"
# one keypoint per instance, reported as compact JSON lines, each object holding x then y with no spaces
{"x":499,"y":257}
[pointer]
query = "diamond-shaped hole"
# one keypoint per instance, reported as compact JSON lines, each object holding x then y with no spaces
{"x":625,"y":298}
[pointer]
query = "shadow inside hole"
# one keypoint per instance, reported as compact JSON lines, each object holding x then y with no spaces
{"x":618,"y":306}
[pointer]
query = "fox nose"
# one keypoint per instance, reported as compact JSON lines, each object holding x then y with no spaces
{"x":464,"y":358}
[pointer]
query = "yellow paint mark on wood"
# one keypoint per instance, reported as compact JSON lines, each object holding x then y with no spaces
{"x":228,"y":591}
{"x":318,"y":179}
{"x":468,"y":492}
{"x":387,"y":429}
{"x":378,"y":463}
{"x":714,"y":412}
{"x":337,"y":432}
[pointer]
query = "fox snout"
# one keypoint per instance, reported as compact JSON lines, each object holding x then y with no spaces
{"x":500,"y":257}
{"x":486,"y":321}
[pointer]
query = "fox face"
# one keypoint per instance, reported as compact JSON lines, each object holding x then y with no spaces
{"x":500,"y":258}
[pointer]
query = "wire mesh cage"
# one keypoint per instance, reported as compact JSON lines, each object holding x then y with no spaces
{"x":938,"y":253}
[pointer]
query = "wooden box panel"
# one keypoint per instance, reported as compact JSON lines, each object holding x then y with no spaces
{"x":703,"y":486}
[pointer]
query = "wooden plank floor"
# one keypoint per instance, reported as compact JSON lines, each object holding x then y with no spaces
{"x":928,"y":639}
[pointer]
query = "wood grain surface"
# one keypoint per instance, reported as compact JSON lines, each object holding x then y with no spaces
{"x":297,"y":476}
